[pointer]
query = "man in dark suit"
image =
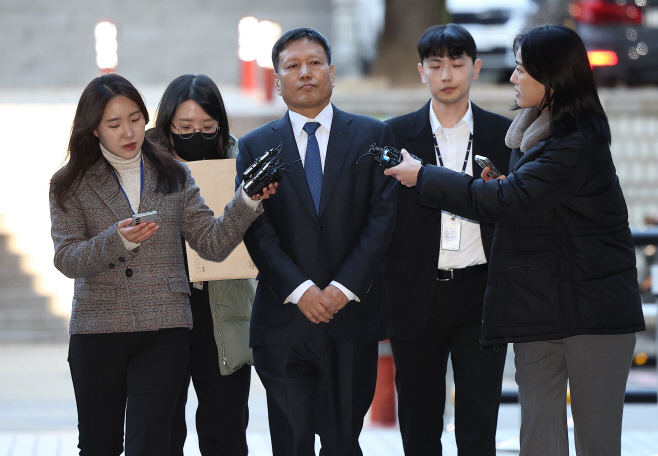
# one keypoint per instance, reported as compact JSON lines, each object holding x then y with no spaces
{"x":320,"y":306}
{"x":437,"y":262}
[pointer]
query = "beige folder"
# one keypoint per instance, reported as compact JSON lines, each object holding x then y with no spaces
{"x":216,"y":180}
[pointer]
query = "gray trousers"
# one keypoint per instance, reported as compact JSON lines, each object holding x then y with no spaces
{"x":596,"y":368}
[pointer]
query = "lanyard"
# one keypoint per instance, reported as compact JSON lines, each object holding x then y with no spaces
{"x":141,"y":183}
{"x":468,"y":151}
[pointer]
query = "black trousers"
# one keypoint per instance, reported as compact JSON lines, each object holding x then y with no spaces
{"x":138,"y":375}
{"x":322,"y":387}
{"x":453,"y":328}
{"x":222,"y":414}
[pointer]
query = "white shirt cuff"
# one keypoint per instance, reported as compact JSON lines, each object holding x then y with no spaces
{"x":251,"y":203}
{"x":296,"y":295}
{"x":129,"y":245}
{"x":350,"y":296}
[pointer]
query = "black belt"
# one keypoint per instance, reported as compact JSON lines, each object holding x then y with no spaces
{"x":443,"y":275}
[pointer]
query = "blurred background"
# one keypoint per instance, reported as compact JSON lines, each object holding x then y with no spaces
{"x":52,"y":48}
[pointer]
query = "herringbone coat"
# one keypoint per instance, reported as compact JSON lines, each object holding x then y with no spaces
{"x":145,"y":289}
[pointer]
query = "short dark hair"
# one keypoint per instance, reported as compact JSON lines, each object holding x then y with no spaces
{"x":295,"y":35}
{"x":555,"y":56}
{"x":200,"y":89}
{"x":451,"y":39}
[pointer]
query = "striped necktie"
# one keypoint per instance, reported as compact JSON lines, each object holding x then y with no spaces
{"x":313,"y":164}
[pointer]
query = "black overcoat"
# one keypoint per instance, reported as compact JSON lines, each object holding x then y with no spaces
{"x":562,"y":260}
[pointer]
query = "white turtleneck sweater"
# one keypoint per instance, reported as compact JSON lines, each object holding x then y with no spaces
{"x":131,"y":181}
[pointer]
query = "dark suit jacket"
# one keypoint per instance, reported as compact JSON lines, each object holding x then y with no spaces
{"x":411,"y":260}
{"x":346,"y":242}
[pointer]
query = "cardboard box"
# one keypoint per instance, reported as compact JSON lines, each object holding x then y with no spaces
{"x":216,"y":180}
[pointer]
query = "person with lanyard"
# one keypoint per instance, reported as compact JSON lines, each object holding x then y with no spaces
{"x":129,"y":344}
{"x":191,"y":123}
{"x":562,"y":282}
{"x":320,"y":306}
{"x":437,"y":261}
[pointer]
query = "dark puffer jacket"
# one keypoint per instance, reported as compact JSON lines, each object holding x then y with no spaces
{"x":562,"y":261}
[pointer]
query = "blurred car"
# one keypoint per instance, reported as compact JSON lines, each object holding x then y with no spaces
{"x":494,"y":24}
{"x":621,"y":37}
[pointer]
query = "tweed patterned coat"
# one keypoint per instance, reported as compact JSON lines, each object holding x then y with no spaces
{"x":146,"y":289}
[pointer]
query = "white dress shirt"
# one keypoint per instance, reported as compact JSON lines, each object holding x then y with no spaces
{"x":297,"y":121}
{"x":452,"y":146}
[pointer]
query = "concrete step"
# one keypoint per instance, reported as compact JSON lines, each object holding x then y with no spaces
{"x":16,"y":279}
{"x":28,"y":300}
{"x":33,"y":331}
{"x":42,"y":330}
{"x":32,"y":322}
{"x":9,"y":260}
{"x":11,"y":273}
{"x":30,"y":336}
{"x":25,"y":315}
{"x":43,"y":326}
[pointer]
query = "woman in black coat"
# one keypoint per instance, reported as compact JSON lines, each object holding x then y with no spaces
{"x":562,"y":279}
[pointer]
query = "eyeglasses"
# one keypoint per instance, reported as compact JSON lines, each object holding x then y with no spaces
{"x":187,"y":132}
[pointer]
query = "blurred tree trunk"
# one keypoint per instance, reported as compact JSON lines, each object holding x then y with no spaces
{"x":405,"y":21}
{"x":554,"y":12}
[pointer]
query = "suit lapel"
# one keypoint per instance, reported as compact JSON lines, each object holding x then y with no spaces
{"x":107,"y":189}
{"x":483,"y":144}
{"x":422,"y":137}
{"x":340,"y":139}
{"x":282,"y":134}
{"x":149,"y":199}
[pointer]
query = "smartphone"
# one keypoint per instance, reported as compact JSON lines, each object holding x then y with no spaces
{"x":145,"y":217}
{"x":484,"y":162}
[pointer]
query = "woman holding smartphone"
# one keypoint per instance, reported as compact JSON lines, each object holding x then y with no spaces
{"x":562,"y":282}
{"x":192,"y":124}
{"x":130,"y":322}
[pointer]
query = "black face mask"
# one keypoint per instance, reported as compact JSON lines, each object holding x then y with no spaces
{"x":195,"y":148}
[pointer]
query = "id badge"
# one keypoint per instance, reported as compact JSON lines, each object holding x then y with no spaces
{"x":451,"y":235}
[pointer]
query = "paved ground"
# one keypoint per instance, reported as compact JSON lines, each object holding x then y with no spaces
{"x":380,"y":442}
{"x":38,"y":418}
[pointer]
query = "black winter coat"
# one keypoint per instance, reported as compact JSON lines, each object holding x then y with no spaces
{"x":562,"y":260}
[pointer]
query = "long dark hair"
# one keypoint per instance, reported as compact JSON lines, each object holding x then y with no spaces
{"x":84,"y":147}
{"x":555,"y":56}
{"x":200,"y":89}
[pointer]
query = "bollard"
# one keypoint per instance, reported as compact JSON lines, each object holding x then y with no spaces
{"x":382,"y":410}
{"x":268,"y":83}
{"x":248,"y":75}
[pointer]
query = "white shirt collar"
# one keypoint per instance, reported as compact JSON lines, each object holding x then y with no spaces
{"x":467,"y":119}
{"x":297,"y":120}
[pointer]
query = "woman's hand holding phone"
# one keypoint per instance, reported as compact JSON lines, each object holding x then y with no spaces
{"x":485,"y":175}
{"x":136,"y":233}
{"x":489,"y":171}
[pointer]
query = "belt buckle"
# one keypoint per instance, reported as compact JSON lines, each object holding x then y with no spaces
{"x":452,"y":275}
